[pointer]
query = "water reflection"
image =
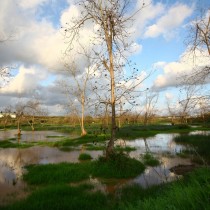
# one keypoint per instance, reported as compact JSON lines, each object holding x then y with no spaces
{"x":159,"y":144}
{"x":13,"y":161}
{"x":34,"y":136}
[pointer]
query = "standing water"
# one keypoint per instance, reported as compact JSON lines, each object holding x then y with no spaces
{"x":13,"y":160}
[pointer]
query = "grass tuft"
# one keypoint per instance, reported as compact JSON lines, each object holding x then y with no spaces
{"x":150,"y":160}
{"x":85,"y":156}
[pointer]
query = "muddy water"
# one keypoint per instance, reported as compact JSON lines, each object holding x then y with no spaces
{"x":34,"y":136}
{"x":13,"y":161}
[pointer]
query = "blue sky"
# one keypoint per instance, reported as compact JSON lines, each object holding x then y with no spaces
{"x":35,"y":47}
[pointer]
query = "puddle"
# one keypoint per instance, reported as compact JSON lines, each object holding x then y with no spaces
{"x":13,"y":160}
{"x":159,"y":144}
{"x":35,"y":136}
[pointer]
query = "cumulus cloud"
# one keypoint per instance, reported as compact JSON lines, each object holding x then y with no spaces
{"x":28,"y":4}
{"x":35,"y":46}
{"x":26,"y":81}
{"x":144,"y":16}
{"x":166,"y":24}
{"x":175,"y":72}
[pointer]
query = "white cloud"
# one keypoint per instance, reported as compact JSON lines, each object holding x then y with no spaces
{"x":37,"y":45}
{"x":26,"y":81}
{"x":145,"y":15}
{"x":166,"y":24}
{"x":175,"y":73}
{"x":28,"y":4}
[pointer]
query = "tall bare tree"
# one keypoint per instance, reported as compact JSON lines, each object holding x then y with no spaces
{"x":113,"y":20}
{"x":77,"y":89}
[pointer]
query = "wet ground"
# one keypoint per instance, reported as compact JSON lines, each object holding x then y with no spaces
{"x":13,"y":161}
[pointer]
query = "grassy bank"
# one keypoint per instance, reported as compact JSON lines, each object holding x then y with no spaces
{"x":199,"y":143}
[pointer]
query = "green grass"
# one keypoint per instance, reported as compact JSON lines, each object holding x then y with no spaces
{"x":201,"y":143}
{"x":8,"y":144}
{"x":193,"y":192}
{"x":150,"y":160}
{"x":124,"y":149}
{"x":85,"y":156}
{"x":138,"y":131}
{"x":94,"y":147}
{"x":94,"y":135}
{"x":58,"y":173}
{"x":58,"y":197}
{"x":119,"y":166}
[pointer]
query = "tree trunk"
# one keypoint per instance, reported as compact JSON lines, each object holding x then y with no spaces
{"x":82,"y":118}
{"x":110,"y":147}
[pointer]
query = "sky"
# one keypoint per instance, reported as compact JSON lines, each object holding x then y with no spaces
{"x":33,"y":47}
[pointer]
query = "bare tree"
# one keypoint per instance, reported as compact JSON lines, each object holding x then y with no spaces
{"x":31,"y":109}
{"x":188,"y":100}
{"x":76,"y":90}
{"x":113,"y":22}
{"x":199,"y":45}
{"x":172,"y":110}
{"x":6,"y":115}
{"x":151,"y":99}
{"x":27,"y":110}
{"x":19,"y":112}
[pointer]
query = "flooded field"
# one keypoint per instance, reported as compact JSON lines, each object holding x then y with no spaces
{"x":34,"y":136}
{"x":14,"y":160}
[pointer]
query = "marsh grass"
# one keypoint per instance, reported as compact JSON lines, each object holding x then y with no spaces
{"x":95,"y":136}
{"x":201,"y":144}
{"x":192,"y":192}
{"x":9,"y":144}
{"x":118,"y":166}
{"x":150,"y":160}
{"x":57,"y":173}
{"x":62,"y":196}
{"x":85,"y":156}
{"x":124,"y":149}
